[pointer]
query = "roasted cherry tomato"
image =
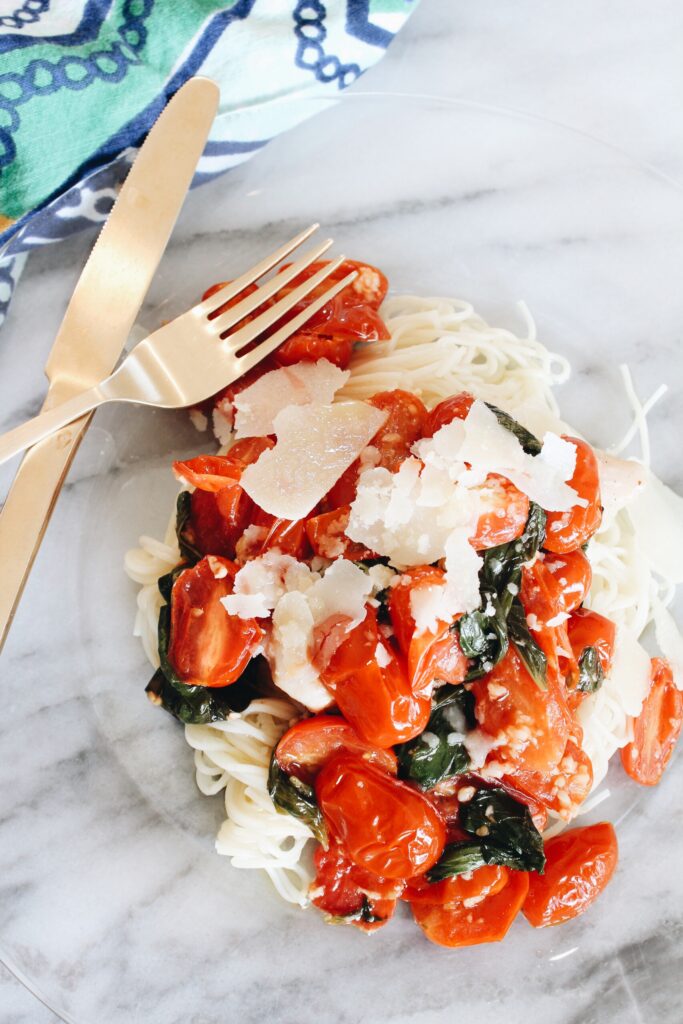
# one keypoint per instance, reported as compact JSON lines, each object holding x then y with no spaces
{"x":371,"y":686}
{"x":406,"y":417}
{"x":309,"y":744}
{"x":349,"y":318}
{"x":208,"y":647}
{"x":589,"y":629}
{"x":487,"y":921}
{"x":574,"y":574}
{"x":533,"y":723}
{"x":210,"y":473}
{"x":474,"y":886}
{"x":384,"y":825}
{"x":567,"y":531}
{"x":579,"y":864}
{"x":656,"y":729}
{"x":219,"y":517}
{"x":287,"y":535}
{"x":542,"y":599}
{"x":327,"y":536}
{"x":454,"y":408}
{"x":430,"y":655}
{"x":507,"y":515}
{"x":344,"y":891}
{"x":561,"y":789}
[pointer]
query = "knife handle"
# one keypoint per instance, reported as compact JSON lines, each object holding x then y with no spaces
{"x":26,"y":513}
{"x":46,"y":423}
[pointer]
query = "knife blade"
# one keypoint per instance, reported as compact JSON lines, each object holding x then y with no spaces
{"x":99,"y":318}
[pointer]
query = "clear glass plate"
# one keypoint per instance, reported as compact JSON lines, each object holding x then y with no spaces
{"x":115,"y":907}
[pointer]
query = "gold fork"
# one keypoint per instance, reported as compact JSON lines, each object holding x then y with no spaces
{"x":191,"y":358}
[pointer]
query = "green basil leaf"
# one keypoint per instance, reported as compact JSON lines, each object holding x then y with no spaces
{"x":483,"y":638}
{"x":591,"y":672}
{"x":182,"y":518}
{"x":531,"y":654}
{"x":292,"y":796}
{"x":437,"y":753}
{"x":506,"y":829}
{"x":528,"y":441}
{"x":198,"y":705}
{"x":456,"y":859}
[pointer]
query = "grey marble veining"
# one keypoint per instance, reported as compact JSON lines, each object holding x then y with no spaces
{"x":112,"y":902}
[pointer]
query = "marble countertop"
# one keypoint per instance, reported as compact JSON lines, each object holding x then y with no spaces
{"x":614,"y":71}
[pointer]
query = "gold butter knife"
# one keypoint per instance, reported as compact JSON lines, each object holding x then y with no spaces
{"x":99,"y":318}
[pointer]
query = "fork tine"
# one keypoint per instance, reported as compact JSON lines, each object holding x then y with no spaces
{"x":237,"y":312}
{"x":211,"y":304}
{"x":240,"y":338}
{"x":269,"y":345}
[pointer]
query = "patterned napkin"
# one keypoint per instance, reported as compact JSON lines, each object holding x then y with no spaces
{"x":81,"y":82}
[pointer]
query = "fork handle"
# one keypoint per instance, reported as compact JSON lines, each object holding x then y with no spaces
{"x":29,"y":433}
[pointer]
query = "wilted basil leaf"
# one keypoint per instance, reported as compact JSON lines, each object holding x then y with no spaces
{"x":531,"y":654}
{"x":591,"y":672}
{"x":182,"y":517}
{"x":438,"y":753}
{"x":502,"y":833}
{"x":292,"y":796}
{"x":529,"y":443}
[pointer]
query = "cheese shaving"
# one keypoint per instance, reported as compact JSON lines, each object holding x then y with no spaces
{"x":302,"y":384}
{"x":315,"y":444}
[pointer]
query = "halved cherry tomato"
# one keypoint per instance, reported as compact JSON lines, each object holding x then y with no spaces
{"x":207,"y":646}
{"x":533,"y":724}
{"x":327,"y":536}
{"x":210,"y":473}
{"x":308,"y":345}
{"x":579,"y":864}
{"x":454,"y":408}
{"x":656,"y":729}
{"x":542,"y":599}
{"x":473,"y":886}
{"x":309,"y":744}
{"x":343,"y":890}
{"x":561,"y":789}
{"x":589,"y":629}
{"x":430,"y":655}
{"x":574,"y":574}
{"x":384,"y":825}
{"x":377,"y":699}
{"x":406,"y":417}
{"x":488,"y":921}
{"x":509,"y":511}
{"x":567,"y":531}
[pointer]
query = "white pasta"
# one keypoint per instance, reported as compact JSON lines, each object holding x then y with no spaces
{"x":437,"y":348}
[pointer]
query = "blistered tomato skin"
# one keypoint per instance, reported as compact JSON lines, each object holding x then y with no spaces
{"x":574,"y":574}
{"x":207,"y":647}
{"x":473,"y":886}
{"x":567,"y":531}
{"x":579,"y":864}
{"x":351,"y":894}
{"x":488,"y":921}
{"x":456,"y":407}
{"x":383,"y":825}
{"x":656,"y":729}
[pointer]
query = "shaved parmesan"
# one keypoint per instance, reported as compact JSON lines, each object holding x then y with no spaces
{"x":620,"y":481}
{"x":302,"y":384}
{"x":289,"y":653}
{"x":489,"y":448}
{"x":260,"y":584}
{"x":315,"y":444}
{"x":657,"y":514}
